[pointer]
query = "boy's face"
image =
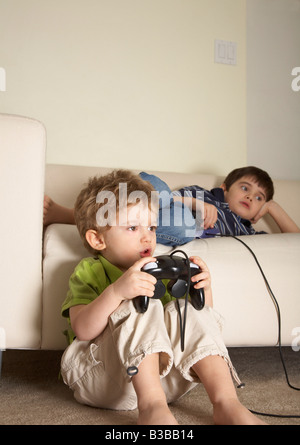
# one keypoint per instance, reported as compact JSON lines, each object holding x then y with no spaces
{"x":245,"y":197}
{"x":134,"y":239}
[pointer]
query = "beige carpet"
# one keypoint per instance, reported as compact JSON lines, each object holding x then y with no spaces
{"x":32,"y":394}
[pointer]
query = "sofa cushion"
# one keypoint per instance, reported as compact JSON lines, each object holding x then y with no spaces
{"x":239,"y":290}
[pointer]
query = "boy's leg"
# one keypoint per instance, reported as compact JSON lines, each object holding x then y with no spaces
{"x":214,"y":373}
{"x":205,"y":359}
{"x":151,"y":398}
{"x":97,"y":371}
{"x":150,"y":351}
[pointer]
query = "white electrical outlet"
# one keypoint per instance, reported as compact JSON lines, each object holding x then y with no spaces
{"x":225,"y":52}
{"x":2,"y":79}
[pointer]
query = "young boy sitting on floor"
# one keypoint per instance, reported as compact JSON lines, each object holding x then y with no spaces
{"x":108,"y":336}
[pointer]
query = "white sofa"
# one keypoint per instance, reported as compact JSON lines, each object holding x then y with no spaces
{"x":35,"y":272}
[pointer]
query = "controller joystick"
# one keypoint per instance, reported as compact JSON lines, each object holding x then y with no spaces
{"x":176,"y":269}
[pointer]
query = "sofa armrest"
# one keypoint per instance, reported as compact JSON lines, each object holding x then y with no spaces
{"x":22,"y":154}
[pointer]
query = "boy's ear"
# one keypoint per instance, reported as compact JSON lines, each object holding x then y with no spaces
{"x":95,"y":240}
{"x":223,"y":186}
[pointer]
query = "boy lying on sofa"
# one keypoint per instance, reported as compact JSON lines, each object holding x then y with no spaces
{"x":244,"y":197}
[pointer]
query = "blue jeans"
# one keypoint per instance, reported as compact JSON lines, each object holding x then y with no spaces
{"x":176,"y":223}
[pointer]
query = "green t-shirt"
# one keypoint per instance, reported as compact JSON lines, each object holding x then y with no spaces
{"x":89,"y":279}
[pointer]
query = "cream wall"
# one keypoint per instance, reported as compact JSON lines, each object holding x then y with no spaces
{"x":273,"y":106}
{"x":129,"y":83}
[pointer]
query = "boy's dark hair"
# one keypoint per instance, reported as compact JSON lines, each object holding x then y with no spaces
{"x":260,"y":176}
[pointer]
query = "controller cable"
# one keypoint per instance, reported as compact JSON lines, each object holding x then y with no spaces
{"x":133,"y":370}
{"x":279,"y":328}
{"x":183,"y":323}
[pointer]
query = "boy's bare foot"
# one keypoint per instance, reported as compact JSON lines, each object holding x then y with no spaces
{"x":55,"y":213}
{"x":232,"y":412}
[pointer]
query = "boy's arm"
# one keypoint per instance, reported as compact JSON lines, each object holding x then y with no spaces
{"x":89,"y":320}
{"x":282,"y":219}
{"x":210,"y":211}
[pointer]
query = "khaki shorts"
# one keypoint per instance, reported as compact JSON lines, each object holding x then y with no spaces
{"x":97,"y":370}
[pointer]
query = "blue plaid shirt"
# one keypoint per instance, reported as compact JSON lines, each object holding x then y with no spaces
{"x":228,"y":223}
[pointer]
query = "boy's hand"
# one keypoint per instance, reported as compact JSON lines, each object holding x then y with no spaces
{"x":204,"y":279}
{"x":135,"y":282}
{"x":210,"y":215}
{"x":263,"y":211}
{"x":282,"y":219}
{"x":89,"y":320}
{"x":204,"y":276}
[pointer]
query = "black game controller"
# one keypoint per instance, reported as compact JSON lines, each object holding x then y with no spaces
{"x":177,"y":270}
